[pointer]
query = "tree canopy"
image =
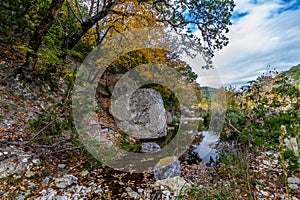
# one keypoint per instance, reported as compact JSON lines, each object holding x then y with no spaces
{"x":57,"y":28}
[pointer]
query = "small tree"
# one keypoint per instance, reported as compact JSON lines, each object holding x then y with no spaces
{"x":37,"y":37}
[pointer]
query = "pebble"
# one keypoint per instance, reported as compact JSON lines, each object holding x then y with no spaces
{"x":31,"y":185}
{"x":269,"y":153}
{"x":293,"y":183}
{"x":166,"y":192}
{"x":72,"y":188}
{"x":25,"y":160}
{"x":88,"y":190}
{"x":264,"y":193}
{"x":29,"y":174}
{"x":79,"y":188}
{"x":294,"y":180}
{"x":36,"y":161}
{"x":140,"y":190}
{"x":46,"y":180}
{"x":61,"y":198}
{"x":275,"y":162}
{"x":92,"y":183}
{"x":61,"y":166}
{"x":293,"y":186}
{"x":132,"y":193}
{"x":76,"y":196}
{"x":24,"y":195}
{"x":266,"y":162}
{"x":47,"y":194}
{"x":43,"y":192}
{"x":84,"y":173}
{"x":97,"y":191}
{"x":105,"y":130}
{"x":65,"y":181}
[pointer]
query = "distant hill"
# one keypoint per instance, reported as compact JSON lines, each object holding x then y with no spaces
{"x":294,"y":73}
{"x":207,"y":92}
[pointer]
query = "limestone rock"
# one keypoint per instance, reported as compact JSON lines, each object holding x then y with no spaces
{"x":107,"y":83}
{"x":132,"y":194}
{"x":63,"y":197}
{"x":65,"y":181}
{"x":169,"y":118}
{"x":112,"y":80}
{"x":46,"y":180}
{"x":47,"y":194}
{"x":145,"y":115}
{"x":294,"y":180}
{"x":150,"y":147}
{"x":167,"y":167}
{"x":293,"y":183}
{"x":29,"y":173}
{"x":84,"y":173}
{"x":102,"y":88}
{"x":176,"y":185}
{"x":13,"y":161}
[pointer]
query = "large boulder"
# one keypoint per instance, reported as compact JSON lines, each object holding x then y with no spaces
{"x":167,"y":167}
{"x":146,"y":116}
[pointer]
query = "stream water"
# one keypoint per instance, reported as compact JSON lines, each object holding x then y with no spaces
{"x":205,"y":145}
{"x":207,"y":148}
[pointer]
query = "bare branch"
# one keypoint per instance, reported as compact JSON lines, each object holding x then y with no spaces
{"x":73,"y":12}
{"x":78,"y":9}
{"x":44,"y":128}
{"x":91,"y":8}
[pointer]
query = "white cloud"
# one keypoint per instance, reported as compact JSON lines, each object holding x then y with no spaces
{"x":262,"y":37}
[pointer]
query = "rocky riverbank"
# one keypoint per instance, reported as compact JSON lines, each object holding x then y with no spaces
{"x":34,"y":165}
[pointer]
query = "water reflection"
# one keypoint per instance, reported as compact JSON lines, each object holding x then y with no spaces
{"x":207,"y":148}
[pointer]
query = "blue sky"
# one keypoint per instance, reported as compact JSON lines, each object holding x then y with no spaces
{"x":264,"y":32}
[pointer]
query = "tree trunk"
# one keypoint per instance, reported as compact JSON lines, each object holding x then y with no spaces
{"x":37,"y":37}
{"x":85,"y":26}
